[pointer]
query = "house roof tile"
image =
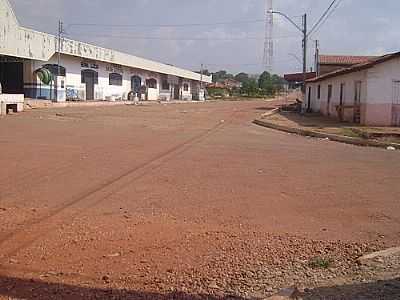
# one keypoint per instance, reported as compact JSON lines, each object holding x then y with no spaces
{"x":344,"y":59}
{"x":358,"y":67}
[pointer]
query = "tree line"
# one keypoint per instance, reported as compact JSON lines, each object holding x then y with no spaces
{"x":265,"y":84}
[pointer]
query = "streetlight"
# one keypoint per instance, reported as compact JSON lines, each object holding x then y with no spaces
{"x":304,"y":32}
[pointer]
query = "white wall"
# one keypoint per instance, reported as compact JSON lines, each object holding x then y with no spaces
{"x":18,"y":41}
{"x":376,"y":93}
{"x":186,"y":95}
{"x":104,"y":91}
{"x":380,"y":81}
{"x":380,"y":109}
{"x":320,"y":105}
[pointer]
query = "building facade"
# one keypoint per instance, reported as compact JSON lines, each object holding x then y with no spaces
{"x":366,"y":93}
{"x":42,"y":66}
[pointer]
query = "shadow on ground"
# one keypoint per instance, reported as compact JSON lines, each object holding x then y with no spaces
{"x":315,"y":120}
{"x":384,"y":289}
{"x":36,"y":289}
{"x":266,"y":108}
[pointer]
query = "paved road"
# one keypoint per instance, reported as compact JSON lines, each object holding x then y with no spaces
{"x":123,"y":192}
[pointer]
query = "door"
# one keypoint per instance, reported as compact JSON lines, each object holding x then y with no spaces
{"x":396,"y":103}
{"x":90,"y":78}
{"x":136,"y":83}
{"x":341,"y":101}
{"x":309,"y":100}
{"x":357,"y":102}
{"x":176,"y":92}
{"x":328,"y":104}
{"x":12,"y":77}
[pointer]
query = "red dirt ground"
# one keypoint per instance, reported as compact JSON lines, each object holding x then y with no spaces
{"x":179,"y":198}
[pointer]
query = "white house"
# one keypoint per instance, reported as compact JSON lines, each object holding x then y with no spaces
{"x":367,"y":93}
{"x":29,"y":66}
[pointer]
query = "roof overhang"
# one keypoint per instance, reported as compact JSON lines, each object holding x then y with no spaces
{"x":357,"y":68}
{"x":18,"y":41}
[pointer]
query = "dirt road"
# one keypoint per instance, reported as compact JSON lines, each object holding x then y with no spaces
{"x":137,"y":202}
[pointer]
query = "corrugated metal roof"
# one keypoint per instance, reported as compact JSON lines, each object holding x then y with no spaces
{"x":298,"y":77}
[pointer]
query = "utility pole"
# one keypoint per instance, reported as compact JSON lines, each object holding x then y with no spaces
{"x":269,"y":42}
{"x":317,"y":57}
{"x":304,"y":32}
{"x":60,"y":32}
{"x":201,"y":82}
{"x":304,"y":53}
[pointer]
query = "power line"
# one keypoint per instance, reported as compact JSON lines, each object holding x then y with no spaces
{"x":177,"y":38}
{"x":165,"y":25}
{"x":206,"y":65}
{"x":328,"y":16}
{"x":322,"y":16}
{"x":325,"y":16}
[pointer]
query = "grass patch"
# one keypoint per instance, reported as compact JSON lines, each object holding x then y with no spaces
{"x":320,"y":263}
{"x":350,"y":133}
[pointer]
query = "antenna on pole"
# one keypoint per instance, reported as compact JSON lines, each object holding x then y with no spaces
{"x":269,"y":42}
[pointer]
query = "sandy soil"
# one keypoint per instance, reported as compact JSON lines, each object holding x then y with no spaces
{"x":185,"y":201}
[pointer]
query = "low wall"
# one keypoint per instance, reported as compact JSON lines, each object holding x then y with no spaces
{"x":50,"y":104}
{"x":10,"y":99}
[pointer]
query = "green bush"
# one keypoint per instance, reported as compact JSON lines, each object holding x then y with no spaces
{"x":320,"y":263}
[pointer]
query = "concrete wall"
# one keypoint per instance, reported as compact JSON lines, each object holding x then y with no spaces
{"x":18,"y":41}
{"x":380,"y":79}
{"x":14,"y":99}
{"x":321,"y":105}
{"x":377,"y":107}
{"x":74,"y":89}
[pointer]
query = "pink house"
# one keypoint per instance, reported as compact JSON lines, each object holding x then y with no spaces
{"x":367,"y":93}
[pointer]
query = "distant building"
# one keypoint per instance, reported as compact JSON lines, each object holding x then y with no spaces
{"x":295,"y":80}
{"x":29,"y":66}
{"x":367,"y":93}
{"x":232,"y":84}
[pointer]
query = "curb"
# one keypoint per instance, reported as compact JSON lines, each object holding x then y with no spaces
{"x":379,"y":254}
{"x":333,"y":137}
{"x":270,"y":113}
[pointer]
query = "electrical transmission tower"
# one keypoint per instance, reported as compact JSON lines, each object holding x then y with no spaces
{"x":269,"y":42}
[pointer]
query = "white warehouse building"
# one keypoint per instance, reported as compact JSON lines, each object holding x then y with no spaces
{"x":29,"y":65}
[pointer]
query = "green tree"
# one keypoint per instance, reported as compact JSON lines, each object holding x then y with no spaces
{"x":265,"y":83}
{"x":242,"y":77}
{"x":221,"y":75}
{"x":250,"y":88}
{"x":270,"y":84}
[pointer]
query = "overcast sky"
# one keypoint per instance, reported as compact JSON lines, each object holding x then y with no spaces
{"x":359,"y":27}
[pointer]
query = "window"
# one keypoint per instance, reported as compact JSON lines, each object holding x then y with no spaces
{"x":319,"y":92}
{"x":89,"y":75}
{"x":357,"y":92}
{"x":396,"y":92}
{"x":329,"y":92}
{"x":115,"y":79}
{"x":151,"y":83}
{"x":54,"y":69}
{"x":342,"y":89}
{"x":186,"y":87}
{"x":165,"y":85}
{"x":328,"y":104}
